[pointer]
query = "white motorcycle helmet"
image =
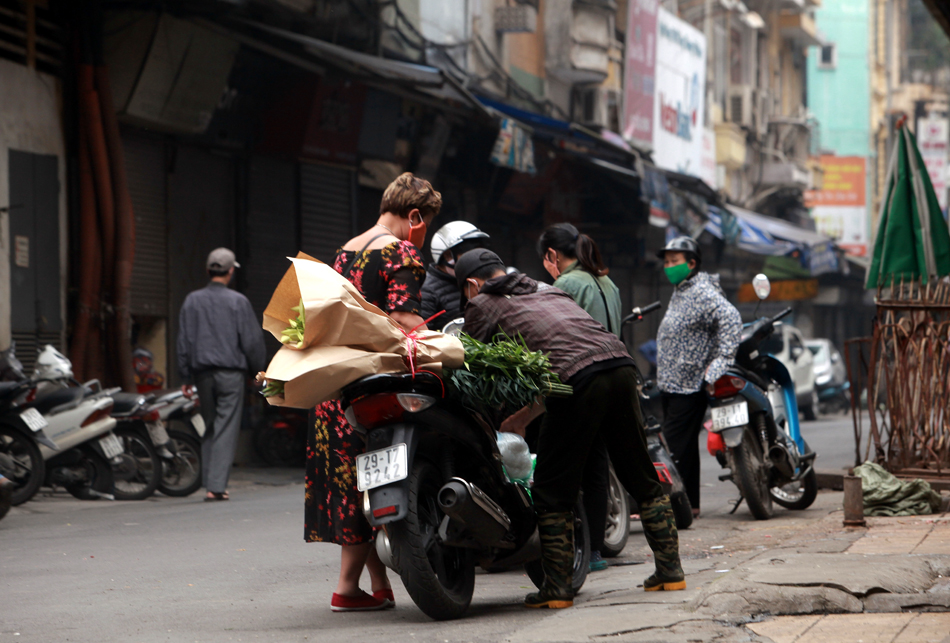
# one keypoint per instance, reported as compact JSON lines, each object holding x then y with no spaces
{"x":451,"y":235}
{"x":52,"y":365}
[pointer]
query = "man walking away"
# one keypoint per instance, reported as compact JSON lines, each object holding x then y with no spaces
{"x":219,"y":342}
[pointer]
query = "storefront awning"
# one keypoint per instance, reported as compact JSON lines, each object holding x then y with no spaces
{"x":376,"y":70}
{"x":569,"y":137}
{"x":763,"y":235}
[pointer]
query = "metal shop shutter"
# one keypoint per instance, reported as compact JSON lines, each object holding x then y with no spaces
{"x":34,"y":228}
{"x":271,"y":228}
{"x":327,"y":204}
{"x":145,"y":167}
{"x":201,"y":217}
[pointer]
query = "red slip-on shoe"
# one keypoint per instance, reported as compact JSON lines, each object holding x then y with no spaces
{"x":362,"y":603}
{"x":386,"y":595}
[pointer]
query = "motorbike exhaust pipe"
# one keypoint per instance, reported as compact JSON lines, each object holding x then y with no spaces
{"x":782,"y":460}
{"x":477,"y":515}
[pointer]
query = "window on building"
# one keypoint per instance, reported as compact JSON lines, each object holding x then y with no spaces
{"x":828,"y":59}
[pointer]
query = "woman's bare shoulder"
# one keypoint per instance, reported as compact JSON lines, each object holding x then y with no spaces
{"x":359,"y":242}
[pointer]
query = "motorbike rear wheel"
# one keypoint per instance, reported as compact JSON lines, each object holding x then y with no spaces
{"x":682,"y":510}
{"x":138,"y":473}
{"x":98,"y":475}
{"x":581,"y":553}
{"x":752,"y":475}
{"x":618,"y":517}
{"x":181,"y":476}
{"x":21,"y":462}
{"x":800,"y":494}
{"x":439,"y":579}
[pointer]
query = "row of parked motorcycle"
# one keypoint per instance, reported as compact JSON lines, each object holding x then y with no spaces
{"x":95,"y":443}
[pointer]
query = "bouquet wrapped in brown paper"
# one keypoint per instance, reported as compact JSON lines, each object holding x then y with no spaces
{"x":344,"y":338}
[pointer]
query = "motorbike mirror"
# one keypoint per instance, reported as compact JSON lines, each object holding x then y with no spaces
{"x":454,"y":327}
{"x":761,"y":285}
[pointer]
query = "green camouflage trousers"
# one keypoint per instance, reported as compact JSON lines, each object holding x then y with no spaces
{"x":556,"y":531}
{"x":659,"y":527}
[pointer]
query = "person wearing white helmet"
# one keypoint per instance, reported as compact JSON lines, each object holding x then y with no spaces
{"x":440,"y":292}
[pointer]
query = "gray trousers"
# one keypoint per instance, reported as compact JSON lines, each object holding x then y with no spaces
{"x":221,"y":392}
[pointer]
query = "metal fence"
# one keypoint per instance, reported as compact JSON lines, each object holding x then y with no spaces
{"x":903,"y":372}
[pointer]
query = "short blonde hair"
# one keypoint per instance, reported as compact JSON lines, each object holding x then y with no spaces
{"x":409,"y":192}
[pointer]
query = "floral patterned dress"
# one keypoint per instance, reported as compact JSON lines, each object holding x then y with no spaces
{"x":390,"y":278}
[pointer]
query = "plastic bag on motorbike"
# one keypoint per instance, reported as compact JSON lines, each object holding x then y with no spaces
{"x":515,"y":455}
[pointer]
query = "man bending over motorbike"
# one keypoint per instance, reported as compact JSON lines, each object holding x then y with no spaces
{"x":605,"y":404}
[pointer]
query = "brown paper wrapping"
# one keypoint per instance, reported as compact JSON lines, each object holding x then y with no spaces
{"x":345,"y":338}
{"x":336,"y":313}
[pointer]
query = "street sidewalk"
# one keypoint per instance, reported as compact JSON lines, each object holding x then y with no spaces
{"x":800,"y":577}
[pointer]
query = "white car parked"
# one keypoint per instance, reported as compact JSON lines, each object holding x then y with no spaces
{"x":788,"y":346}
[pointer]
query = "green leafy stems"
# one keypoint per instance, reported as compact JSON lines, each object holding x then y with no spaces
{"x":503,"y":376}
{"x":272,"y":388}
{"x":293,"y":335}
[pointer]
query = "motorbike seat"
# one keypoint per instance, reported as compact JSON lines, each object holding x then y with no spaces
{"x":167,"y":395}
{"x":425,"y":383}
{"x":126,"y":403}
{"x":58,"y":397}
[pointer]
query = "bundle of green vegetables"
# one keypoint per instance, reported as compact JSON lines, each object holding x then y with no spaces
{"x":503,"y":377}
{"x":272,"y":388}
{"x":293,"y":334}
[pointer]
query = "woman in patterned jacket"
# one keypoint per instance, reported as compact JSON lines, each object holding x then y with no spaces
{"x":696,"y":343}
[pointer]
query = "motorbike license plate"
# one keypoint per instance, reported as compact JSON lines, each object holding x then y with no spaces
{"x":378,"y":468}
{"x":724,"y":417}
{"x":110,"y":445}
{"x":199,"y":423}
{"x":34,"y":419}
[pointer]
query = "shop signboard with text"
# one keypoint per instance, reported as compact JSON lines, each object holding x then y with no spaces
{"x":840,"y":207}
{"x":639,"y":68}
{"x":678,"y":99}
{"x":933,"y":141}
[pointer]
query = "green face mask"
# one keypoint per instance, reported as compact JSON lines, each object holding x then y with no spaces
{"x":678,"y":273}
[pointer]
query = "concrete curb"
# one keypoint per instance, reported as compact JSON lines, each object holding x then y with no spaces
{"x":833,"y":480}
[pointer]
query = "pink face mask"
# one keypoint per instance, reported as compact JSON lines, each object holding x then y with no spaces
{"x":417,"y":233}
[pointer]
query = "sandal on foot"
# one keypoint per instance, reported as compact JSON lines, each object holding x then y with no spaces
{"x":215,"y":496}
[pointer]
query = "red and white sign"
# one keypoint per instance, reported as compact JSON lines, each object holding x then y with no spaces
{"x":840,"y":207}
{"x":933,"y":144}
{"x":639,"y":72}
{"x":679,"y":96}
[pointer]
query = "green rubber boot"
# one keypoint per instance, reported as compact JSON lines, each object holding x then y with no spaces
{"x":659,"y":527}
{"x":556,"y":531}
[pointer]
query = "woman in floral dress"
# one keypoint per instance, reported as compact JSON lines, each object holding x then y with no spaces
{"x":385,"y":265}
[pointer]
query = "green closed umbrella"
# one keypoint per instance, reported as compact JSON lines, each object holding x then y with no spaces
{"x":912,"y":239}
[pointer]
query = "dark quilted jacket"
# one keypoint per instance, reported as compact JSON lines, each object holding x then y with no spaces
{"x":440,"y":292}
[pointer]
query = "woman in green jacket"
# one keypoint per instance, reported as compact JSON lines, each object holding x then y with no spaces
{"x":574,"y":261}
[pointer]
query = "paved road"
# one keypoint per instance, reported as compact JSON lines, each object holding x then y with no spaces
{"x":170,"y":569}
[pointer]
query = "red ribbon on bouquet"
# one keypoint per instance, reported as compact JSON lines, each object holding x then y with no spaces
{"x":411,"y":343}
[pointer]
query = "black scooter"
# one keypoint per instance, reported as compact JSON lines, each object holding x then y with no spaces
{"x":433,"y":482}
{"x":755,"y":432}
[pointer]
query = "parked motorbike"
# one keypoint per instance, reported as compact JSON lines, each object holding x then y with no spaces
{"x":280,"y":438}
{"x":21,"y":432}
{"x":138,"y":469}
{"x":755,"y":431}
{"x":434,"y":484}
{"x":80,"y":424}
{"x":180,"y":449}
